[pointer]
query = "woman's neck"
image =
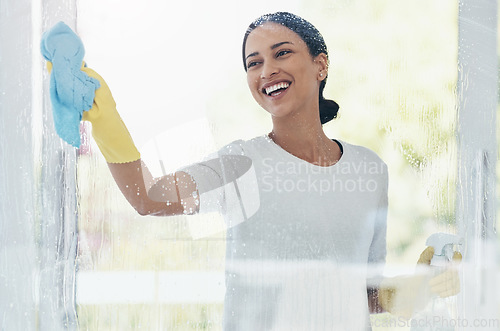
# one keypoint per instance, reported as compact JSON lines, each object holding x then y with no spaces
{"x":305,"y":141}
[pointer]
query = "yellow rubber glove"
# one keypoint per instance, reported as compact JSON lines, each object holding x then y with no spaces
{"x":404,"y":295}
{"x":108,"y":129}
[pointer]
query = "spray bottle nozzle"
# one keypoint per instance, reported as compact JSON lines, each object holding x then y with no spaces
{"x":443,"y":246}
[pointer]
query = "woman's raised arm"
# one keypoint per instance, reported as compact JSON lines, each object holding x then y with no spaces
{"x":173,"y":194}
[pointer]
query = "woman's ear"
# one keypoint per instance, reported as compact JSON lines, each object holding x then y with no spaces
{"x":322,"y":65}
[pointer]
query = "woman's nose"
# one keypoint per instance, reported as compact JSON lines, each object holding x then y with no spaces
{"x":269,"y":69}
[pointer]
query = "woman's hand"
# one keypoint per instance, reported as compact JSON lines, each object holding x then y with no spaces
{"x":405,"y":295}
{"x":446,"y":283}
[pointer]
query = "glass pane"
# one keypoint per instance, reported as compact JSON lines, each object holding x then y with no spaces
{"x":286,"y":249}
{"x":177,"y":76}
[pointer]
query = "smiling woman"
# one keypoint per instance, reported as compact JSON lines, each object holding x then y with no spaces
{"x":304,"y":214}
{"x":284,"y":231}
{"x":280,"y":238}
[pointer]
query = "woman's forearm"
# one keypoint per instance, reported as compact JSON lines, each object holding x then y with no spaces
{"x":135,"y":180}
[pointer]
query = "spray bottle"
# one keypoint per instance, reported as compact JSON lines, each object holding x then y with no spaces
{"x":444,"y":247}
{"x":436,"y":314}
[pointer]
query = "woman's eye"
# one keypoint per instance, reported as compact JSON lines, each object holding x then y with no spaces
{"x":252,"y":64}
{"x":281,"y":53}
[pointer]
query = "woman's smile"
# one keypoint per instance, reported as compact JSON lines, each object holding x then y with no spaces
{"x":275,"y":90}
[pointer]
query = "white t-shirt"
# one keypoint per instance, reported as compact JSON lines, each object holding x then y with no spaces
{"x":299,"y":236}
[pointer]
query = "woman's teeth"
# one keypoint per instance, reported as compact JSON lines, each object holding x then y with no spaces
{"x":275,"y":87}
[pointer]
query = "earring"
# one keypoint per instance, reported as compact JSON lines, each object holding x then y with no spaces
{"x":321,"y":74}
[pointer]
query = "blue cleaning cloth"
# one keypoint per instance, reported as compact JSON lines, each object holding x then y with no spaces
{"x":71,"y":90}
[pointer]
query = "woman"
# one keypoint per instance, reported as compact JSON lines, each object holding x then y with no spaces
{"x":305,"y":214}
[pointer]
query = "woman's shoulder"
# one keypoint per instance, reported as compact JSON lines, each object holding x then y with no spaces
{"x":244,"y":146}
{"x":360,"y":152}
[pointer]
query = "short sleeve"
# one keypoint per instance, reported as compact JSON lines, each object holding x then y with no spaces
{"x":226,"y":183}
{"x":205,"y":178}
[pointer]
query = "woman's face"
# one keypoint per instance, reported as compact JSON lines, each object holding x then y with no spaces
{"x":282,"y":75}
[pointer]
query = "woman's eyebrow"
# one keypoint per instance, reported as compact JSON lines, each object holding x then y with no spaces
{"x":272,"y":47}
{"x":281,"y":43}
{"x":252,"y":54}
